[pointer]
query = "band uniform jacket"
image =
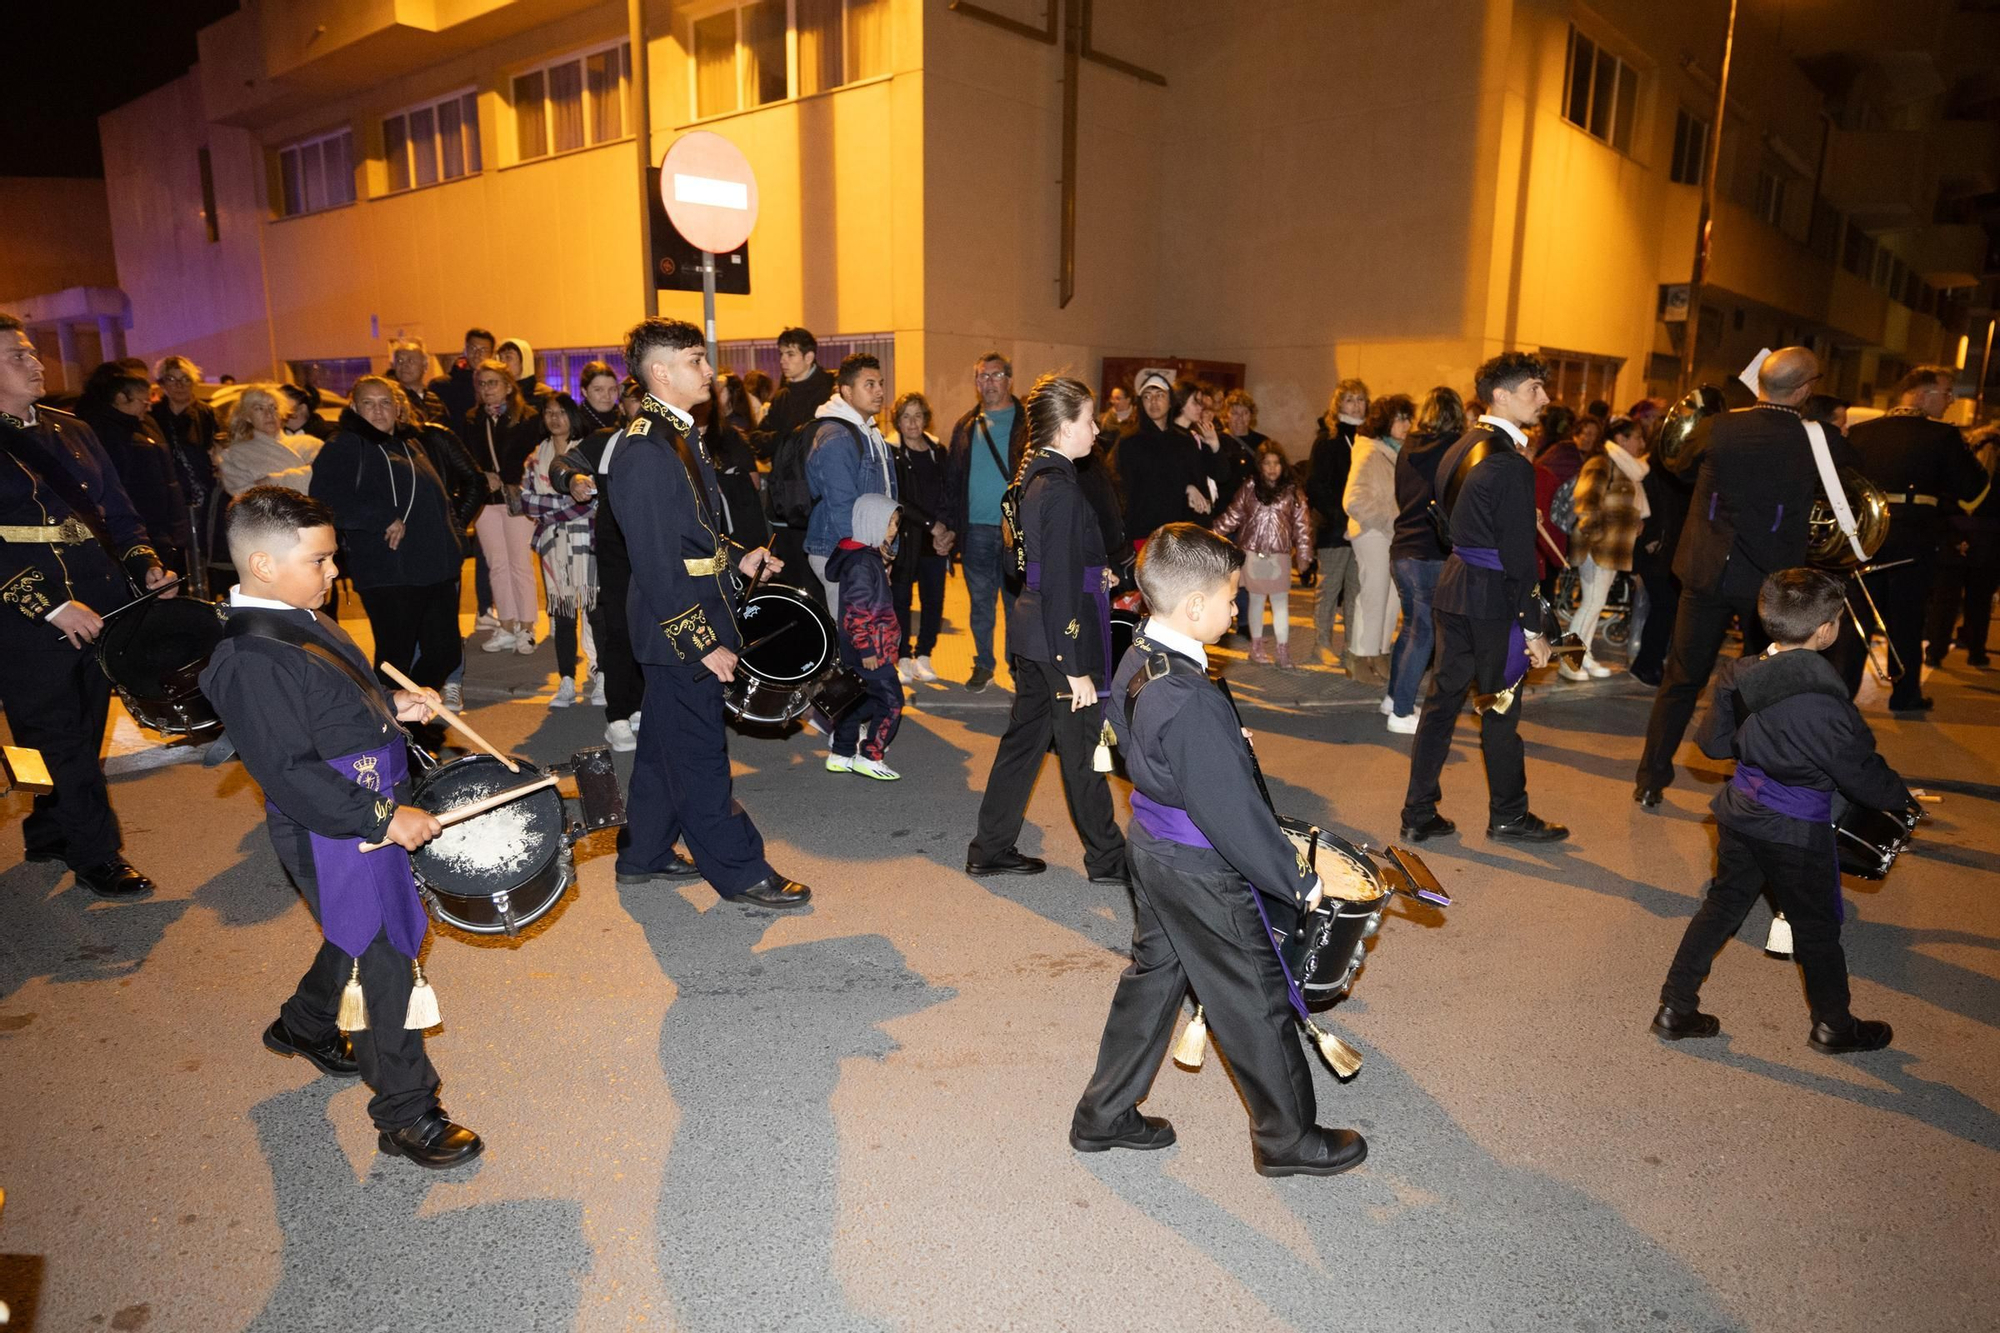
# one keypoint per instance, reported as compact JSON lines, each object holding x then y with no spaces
{"x":681,"y":606}
{"x":1753,"y":494}
{"x":1184,"y":748}
{"x":51,"y":471}
{"x":1909,"y":455}
{"x":1495,"y":509}
{"x":1057,"y":623}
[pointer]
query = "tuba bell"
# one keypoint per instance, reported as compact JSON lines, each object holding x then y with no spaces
{"x":1682,"y":437}
{"x":1826,"y":546}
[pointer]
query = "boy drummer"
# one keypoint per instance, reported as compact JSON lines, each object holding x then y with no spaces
{"x":1201,"y":836}
{"x":319,"y":735}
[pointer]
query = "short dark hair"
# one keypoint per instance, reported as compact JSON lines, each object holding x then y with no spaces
{"x":852,"y":365}
{"x":1923,"y":377}
{"x":1181,"y":559}
{"x":799,"y":340}
{"x":757,"y":382}
{"x":591,"y":370}
{"x":263,"y":512}
{"x":629,"y":387}
{"x":1177,"y":401}
{"x":1507,"y":371}
{"x":1598,"y":408}
{"x":487,"y":334}
{"x":1793,"y":603}
{"x":652,"y":336}
{"x":1383,"y":413}
{"x":1621,"y":426}
{"x":1823,"y":407}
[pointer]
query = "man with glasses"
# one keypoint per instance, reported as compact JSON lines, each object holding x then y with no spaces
{"x":1752,"y":495}
{"x":986,"y":448}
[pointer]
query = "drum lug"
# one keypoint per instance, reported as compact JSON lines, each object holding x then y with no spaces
{"x":429,"y":900}
{"x":504,"y":904}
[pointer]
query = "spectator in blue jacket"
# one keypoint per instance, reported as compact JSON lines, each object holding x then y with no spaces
{"x":849,"y":459}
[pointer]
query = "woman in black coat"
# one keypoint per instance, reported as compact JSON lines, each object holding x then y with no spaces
{"x":735,"y":465}
{"x":924,"y":484}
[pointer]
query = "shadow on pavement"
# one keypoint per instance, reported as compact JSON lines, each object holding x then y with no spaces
{"x":72,"y":935}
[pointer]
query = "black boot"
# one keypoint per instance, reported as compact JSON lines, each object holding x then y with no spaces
{"x":1323,"y":1152}
{"x":432,"y":1142}
{"x":1672,"y":1025}
{"x":1856,"y":1034}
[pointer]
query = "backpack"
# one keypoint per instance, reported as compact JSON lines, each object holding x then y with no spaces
{"x":1562,"y":506}
{"x":789,"y":492}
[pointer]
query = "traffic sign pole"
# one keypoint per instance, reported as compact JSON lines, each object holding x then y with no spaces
{"x":708,"y":307}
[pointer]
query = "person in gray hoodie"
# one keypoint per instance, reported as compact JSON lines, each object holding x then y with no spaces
{"x":849,"y":459}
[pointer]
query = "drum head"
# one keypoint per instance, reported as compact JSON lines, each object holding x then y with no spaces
{"x":787,"y":636}
{"x":149,"y":649}
{"x":498,"y":851}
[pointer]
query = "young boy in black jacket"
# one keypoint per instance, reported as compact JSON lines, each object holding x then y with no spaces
{"x":869,"y":638}
{"x":1801,"y":748}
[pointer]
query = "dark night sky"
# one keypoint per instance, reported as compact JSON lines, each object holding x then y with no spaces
{"x":71,"y":60}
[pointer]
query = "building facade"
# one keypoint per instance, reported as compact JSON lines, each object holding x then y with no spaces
{"x":1310,"y":188}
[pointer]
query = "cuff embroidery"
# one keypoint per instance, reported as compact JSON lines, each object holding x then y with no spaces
{"x":26,"y":593}
{"x":690,"y":633}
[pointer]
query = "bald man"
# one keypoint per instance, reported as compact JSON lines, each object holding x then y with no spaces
{"x":1752,"y":496}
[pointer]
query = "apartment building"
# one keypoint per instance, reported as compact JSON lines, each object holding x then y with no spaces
{"x":1297,"y":189}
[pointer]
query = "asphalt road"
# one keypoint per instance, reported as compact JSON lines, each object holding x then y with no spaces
{"x":702,"y":1118}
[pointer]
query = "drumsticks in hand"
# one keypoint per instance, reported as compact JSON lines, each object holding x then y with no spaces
{"x":456,"y":722}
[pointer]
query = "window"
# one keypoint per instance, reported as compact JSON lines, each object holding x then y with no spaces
{"x":208,"y":217}
{"x":1690,"y":165}
{"x":316,"y":174}
{"x":572,"y":103}
{"x":562,"y":367}
{"x":1771,"y":196}
{"x":740,"y":59}
{"x":431,"y":143}
{"x":1857,"y":256}
{"x":1576,"y":379}
{"x":1601,"y":93}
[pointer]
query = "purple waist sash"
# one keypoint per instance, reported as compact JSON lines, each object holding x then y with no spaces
{"x":1094,"y":589}
{"x":1487,"y":557}
{"x":1808,"y":803}
{"x":362,"y":893}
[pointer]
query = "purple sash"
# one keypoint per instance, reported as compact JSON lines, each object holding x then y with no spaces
{"x":1808,"y":803}
{"x":1487,"y":557}
{"x":1094,"y":589}
{"x":364,"y":893}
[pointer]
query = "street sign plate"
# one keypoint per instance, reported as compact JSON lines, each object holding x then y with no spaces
{"x":709,"y":191}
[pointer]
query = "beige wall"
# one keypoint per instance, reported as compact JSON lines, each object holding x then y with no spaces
{"x":58,"y":236}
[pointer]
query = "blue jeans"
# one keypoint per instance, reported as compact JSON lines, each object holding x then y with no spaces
{"x":985,"y":557}
{"x":1416,"y":582}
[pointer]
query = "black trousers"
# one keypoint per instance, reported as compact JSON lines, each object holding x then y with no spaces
{"x":882,"y":710}
{"x":681,"y":785}
{"x":624,"y":686}
{"x":58,"y":701}
{"x":1037,"y":717}
{"x":1200,"y":930}
{"x":393,"y":1061}
{"x":1663,"y":599}
{"x":1959,"y":587}
{"x":1902,"y":595}
{"x":1468,"y":651}
{"x":1805,"y":884}
{"x":416,"y":629}
{"x":1700,"y":624}
{"x":926,"y":578}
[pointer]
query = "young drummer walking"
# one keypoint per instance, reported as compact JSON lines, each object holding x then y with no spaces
{"x":1800,"y":747}
{"x":1201,"y":838}
{"x":320,"y":736}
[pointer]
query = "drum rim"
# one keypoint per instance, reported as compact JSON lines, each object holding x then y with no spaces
{"x":1353,"y":853}
{"x":529,"y":771}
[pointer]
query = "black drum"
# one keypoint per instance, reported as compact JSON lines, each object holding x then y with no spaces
{"x":154,"y":654}
{"x":1326,"y":948}
{"x":497,"y":872}
{"x":1124,"y":624}
{"x":1869,"y":841}
{"x":790,"y":663}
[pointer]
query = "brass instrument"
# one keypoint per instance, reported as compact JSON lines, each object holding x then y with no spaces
{"x":1827,"y":546}
{"x":1682,"y":438}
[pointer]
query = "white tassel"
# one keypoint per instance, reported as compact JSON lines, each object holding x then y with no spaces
{"x":1190,"y":1050}
{"x":1100,"y":759}
{"x":1346,"y":1061}
{"x":1779,"y":944}
{"x":423,"y":1010}
{"x":353,"y":1016}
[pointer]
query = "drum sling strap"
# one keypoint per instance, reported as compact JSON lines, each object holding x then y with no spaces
{"x":260,"y":623}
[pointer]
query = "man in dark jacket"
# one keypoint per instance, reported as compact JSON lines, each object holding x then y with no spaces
{"x":115,"y":406}
{"x":1326,"y":489}
{"x":985,"y":455}
{"x":792,"y":409}
{"x":1752,"y":496}
{"x":454,"y":387}
{"x":1969,"y":566}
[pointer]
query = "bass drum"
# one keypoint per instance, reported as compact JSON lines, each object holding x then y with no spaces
{"x":498,"y":872}
{"x":1326,"y":949}
{"x":788,"y":644}
{"x":154,"y":655}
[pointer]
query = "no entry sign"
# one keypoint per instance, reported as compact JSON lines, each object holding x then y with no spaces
{"x":709,"y":191}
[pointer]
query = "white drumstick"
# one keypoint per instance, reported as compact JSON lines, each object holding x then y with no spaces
{"x":480,"y":806}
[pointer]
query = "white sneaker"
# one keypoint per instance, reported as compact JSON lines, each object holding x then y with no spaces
{"x":524,"y":643}
{"x":1403,"y":725}
{"x":1568,"y":672}
{"x":906,"y":670}
{"x":1388,"y":705}
{"x":620,"y":738}
{"x":486,"y":620}
{"x":840,"y":763}
{"x":635,"y":720}
{"x":499,"y":641}
{"x":565,"y":694}
{"x":1593,"y":669}
{"x":874,"y":768}
{"x":923,"y":668}
{"x":454,"y":696}
{"x":597,"y":690}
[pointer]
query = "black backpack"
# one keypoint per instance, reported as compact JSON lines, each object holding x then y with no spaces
{"x":789,"y":488}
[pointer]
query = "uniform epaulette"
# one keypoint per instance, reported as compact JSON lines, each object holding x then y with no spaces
{"x":640,"y":425}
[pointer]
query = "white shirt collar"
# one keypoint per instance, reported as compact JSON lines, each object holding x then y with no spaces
{"x":1192,"y":649}
{"x":238,"y":597}
{"x":1520,"y":436}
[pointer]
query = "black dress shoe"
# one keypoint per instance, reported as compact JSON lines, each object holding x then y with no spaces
{"x":1650,"y":679}
{"x":115,"y":879}
{"x":1325,"y":1152}
{"x":432,"y":1142}
{"x":333,"y":1053}
{"x":1921,"y":704}
{"x":1437,"y":826}
{"x":1978,"y":660}
{"x":1675,"y":1026}
{"x":1859,"y":1034}
{"x":1143,"y":1133}
{"x":1647,"y":795}
{"x":1112,"y":879}
{"x":977,"y":682}
{"x":777,"y":893}
{"x":678,"y":868}
{"x":1009,"y":862}
{"x":1530,"y":827}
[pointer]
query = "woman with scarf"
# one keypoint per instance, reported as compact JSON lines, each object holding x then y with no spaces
{"x":500,"y":432}
{"x":1611,"y":508}
{"x":1370,"y":502}
{"x":566,"y":540}
{"x":260,"y":452}
{"x":399,"y":545}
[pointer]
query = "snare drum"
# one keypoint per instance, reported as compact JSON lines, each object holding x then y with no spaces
{"x":154,"y":654}
{"x":1869,"y":841}
{"x":1124,"y":624}
{"x":788,"y":645}
{"x":497,"y":872}
{"x":1326,"y":948}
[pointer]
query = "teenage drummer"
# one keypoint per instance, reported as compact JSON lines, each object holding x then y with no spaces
{"x":320,"y":736}
{"x":1201,"y":837}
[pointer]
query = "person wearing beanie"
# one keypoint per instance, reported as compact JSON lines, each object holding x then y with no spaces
{"x":870,"y":637}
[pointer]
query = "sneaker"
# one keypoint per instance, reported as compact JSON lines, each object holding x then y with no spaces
{"x":906,"y":671}
{"x":840,"y":763}
{"x":981,"y":677}
{"x":1568,"y":672}
{"x":1403,"y":724}
{"x":597,"y":690}
{"x":1388,"y":705}
{"x":618,"y":735}
{"x":924,"y":670}
{"x":501,"y":641}
{"x":524,"y":643}
{"x":635,"y":720}
{"x":486,"y":620}
{"x":454,"y":696}
{"x":1593,"y":669}
{"x":875,"y":768}
{"x":565,"y":694}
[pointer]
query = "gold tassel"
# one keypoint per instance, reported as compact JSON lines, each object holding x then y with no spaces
{"x":1346,"y":1061}
{"x":353,"y":1016}
{"x":1100,"y":759}
{"x":423,"y":1011}
{"x":1193,"y":1045}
